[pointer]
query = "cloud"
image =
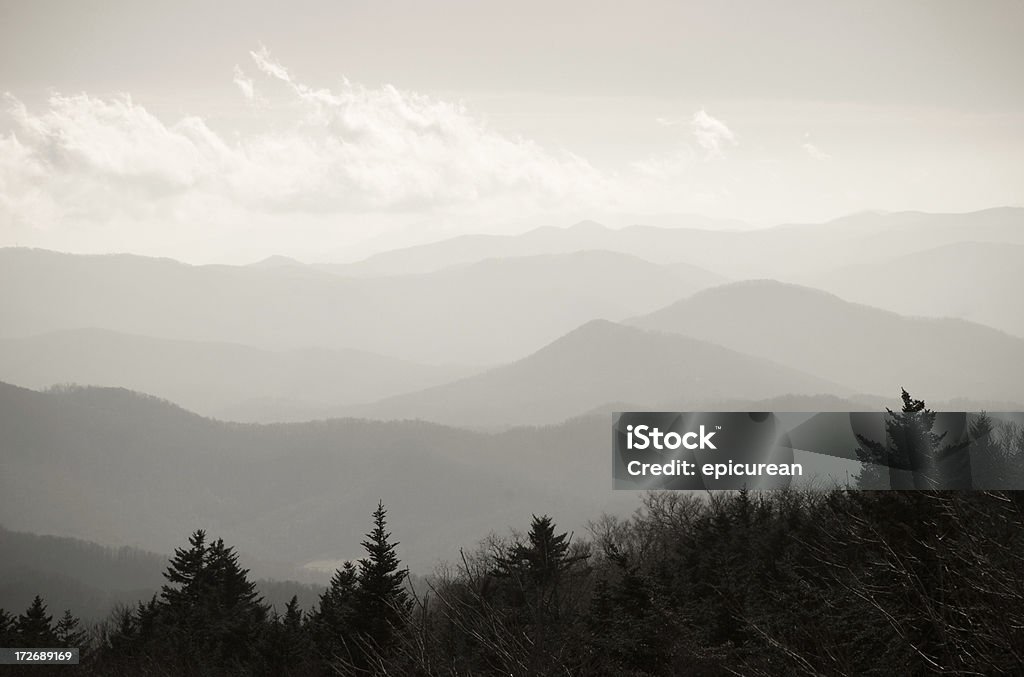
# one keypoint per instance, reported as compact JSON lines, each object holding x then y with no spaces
{"x":353,"y":149}
{"x":245,"y":84}
{"x":270,"y":67}
{"x":711,"y":134}
{"x":109,"y":173}
{"x":813,"y":150}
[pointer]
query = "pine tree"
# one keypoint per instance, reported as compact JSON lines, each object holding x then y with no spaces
{"x":209,"y":610}
{"x":122,"y":639}
{"x":628,"y":629}
{"x":531,"y":584}
{"x":333,"y":622}
{"x":912,"y":447}
{"x":543,"y":558}
{"x":382,"y":604}
{"x":990,"y":460}
{"x":35,"y":627}
{"x":182,"y":596}
{"x":147,"y":619}
{"x":7,"y":628}
{"x":228,"y":588}
{"x":294,"y":633}
{"x":69,"y":632}
{"x":288,"y":646}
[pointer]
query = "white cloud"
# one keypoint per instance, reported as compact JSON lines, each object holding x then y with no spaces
{"x":711,"y":134}
{"x":84,"y":159}
{"x":683,"y":161}
{"x":245,"y":84}
{"x":813,"y":150}
{"x":266,"y":64}
{"x":101,"y":173}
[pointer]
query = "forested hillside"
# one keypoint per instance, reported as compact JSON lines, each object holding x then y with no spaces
{"x":741,"y":583}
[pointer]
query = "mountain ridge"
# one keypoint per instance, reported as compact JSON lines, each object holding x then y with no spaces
{"x":599,"y":361}
{"x":869,"y":349}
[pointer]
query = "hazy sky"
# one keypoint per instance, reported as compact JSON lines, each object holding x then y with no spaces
{"x":227,"y":131}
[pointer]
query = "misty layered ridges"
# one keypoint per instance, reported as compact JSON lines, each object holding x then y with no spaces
{"x":727,"y":249}
{"x":73,"y":573}
{"x":490,"y":336}
{"x":113,"y":466}
{"x":466,"y":331}
{"x":859,"y":346}
{"x":482,"y":313}
{"x":599,"y":364}
{"x":752,"y":583}
{"x":223,"y":380}
{"x":468,"y":383}
{"x":976,"y":281}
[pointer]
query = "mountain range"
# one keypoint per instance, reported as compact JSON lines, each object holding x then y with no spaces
{"x":466,"y":383}
{"x":116,"y":467}
{"x":596,"y":365}
{"x":777,"y":252}
{"x":483,"y":313}
{"x":866,"y":349}
{"x":222,"y":380}
{"x":974,"y":281}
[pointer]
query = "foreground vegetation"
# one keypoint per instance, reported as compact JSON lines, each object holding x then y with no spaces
{"x":795,"y":583}
{"x":786,"y":582}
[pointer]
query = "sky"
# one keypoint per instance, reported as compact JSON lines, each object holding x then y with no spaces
{"x":230,"y":131}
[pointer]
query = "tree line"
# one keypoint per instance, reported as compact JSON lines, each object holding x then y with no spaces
{"x":784,"y":582}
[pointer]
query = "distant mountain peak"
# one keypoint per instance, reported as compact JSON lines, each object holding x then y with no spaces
{"x":597,"y":326}
{"x":758,"y":284}
{"x":276,"y":261}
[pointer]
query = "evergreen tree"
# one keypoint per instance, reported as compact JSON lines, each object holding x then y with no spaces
{"x":912,"y":447}
{"x":382,"y":604}
{"x":209,"y":610}
{"x":146,"y":619}
{"x":532,"y":581}
{"x":542,"y":559}
{"x":230,"y":592}
{"x":333,"y":622}
{"x":69,"y":631}
{"x":990,"y":461}
{"x":35,"y":627}
{"x":7,"y":628}
{"x":122,"y":639}
{"x":628,"y":629}
{"x":288,"y":646}
{"x":182,"y":596}
{"x":292,"y":619}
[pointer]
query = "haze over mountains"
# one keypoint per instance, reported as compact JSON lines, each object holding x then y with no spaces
{"x":222,"y":380}
{"x":782,"y":251}
{"x":977,"y":281}
{"x":484,"y":313}
{"x":115,"y":467}
{"x":512,"y":350}
{"x":93,"y":579}
{"x":866,"y":349}
{"x":602,"y":363}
